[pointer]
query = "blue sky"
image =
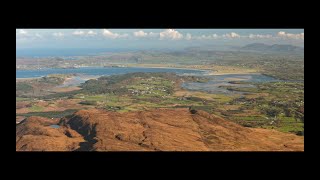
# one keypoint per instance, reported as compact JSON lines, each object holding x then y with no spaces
{"x":153,"y":38}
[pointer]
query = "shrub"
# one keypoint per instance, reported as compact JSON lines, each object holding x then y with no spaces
{"x":88,"y":102}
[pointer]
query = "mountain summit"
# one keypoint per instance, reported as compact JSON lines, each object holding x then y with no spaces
{"x":152,"y":130}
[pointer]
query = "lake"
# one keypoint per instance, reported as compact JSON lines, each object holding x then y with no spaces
{"x":55,"y":126}
{"x":213,"y":85}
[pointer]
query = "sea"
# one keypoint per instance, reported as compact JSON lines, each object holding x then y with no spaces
{"x":65,"y":52}
{"x":103,"y":71}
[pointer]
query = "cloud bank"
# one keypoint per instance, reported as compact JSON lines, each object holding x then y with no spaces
{"x":166,"y":34}
{"x":108,"y":34}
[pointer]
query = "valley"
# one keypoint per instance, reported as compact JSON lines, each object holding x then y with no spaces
{"x":248,"y":98}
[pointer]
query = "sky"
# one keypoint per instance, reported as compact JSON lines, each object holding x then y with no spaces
{"x":153,"y":38}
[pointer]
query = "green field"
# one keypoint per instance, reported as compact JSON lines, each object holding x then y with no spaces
{"x":35,"y":108}
{"x":275,"y":105}
{"x":50,"y":114}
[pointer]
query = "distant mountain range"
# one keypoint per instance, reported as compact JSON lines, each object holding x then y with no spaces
{"x":272,"y":48}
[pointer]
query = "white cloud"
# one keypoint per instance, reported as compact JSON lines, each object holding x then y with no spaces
{"x":152,"y":34}
{"x":145,"y":34}
{"x":78,"y":33}
{"x":140,"y":34}
{"x":234,"y":35}
{"x":170,"y":34}
{"x":202,"y":37}
{"x":260,"y":36}
{"x":112,"y":35}
{"x":283,"y":34}
{"x":109,"y":34}
{"x":22,"y":32}
{"x":205,"y":37}
{"x":231,"y":35}
{"x":188,"y":36}
{"x":91,"y":33}
{"x":58,"y":34}
{"x":23,"y":35}
{"x":84,"y":33}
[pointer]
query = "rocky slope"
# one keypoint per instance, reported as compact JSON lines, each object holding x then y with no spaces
{"x":154,"y":130}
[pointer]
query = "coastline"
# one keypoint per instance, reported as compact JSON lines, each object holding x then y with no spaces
{"x":211,"y":71}
{"x":26,"y":79}
{"x":218,"y":71}
{"x":226,"y":73}
{"x":163,"y":67}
